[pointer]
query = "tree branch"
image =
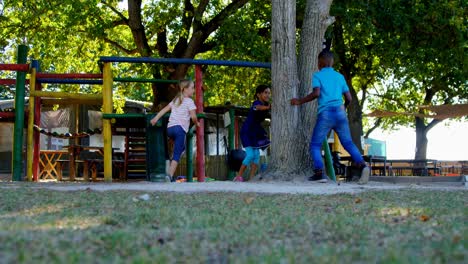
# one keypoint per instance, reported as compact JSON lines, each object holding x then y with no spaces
{"x":120,"y":47}
{"x":161,"y":43}
{"x":187,"y":18}
{"x":198,"y":16}
{"x":137,"y":28}
{"x":119,"y":14}
{"x":214,"y":23}
{"x":374,"y":127}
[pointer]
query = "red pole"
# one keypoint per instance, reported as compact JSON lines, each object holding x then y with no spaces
{"x":70,"y":75}
{"x":10,"y":81}
{"x":200,"y":130}
{"x":7,"y":114}
{"x":14,"y":67}
{"x":236,"y":132}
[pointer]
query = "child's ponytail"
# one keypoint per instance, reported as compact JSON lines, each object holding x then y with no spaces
{"x":183,"y":84}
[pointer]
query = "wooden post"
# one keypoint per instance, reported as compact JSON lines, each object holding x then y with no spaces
{"x":201,"y":129}
{"x":19,"y":116}
{"x":30,"y":133}
{"x":37,"y":121}
{"x":106,"y":123}
{"x":231,"y":135}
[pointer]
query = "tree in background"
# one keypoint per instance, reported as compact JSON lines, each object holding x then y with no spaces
{"x":399,"y":55}
{"x":69,"y":36}
{"x":428,"y":59}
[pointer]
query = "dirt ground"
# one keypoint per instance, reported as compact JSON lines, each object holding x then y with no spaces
{"x":299,"y":187}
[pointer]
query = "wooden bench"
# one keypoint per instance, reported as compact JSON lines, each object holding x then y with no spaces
{"x":92,"y":165}
{"x":383,"y":170}
{"x":59,"y":168}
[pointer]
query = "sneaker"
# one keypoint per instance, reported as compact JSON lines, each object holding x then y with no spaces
{"x":318,"y":177}
{"x":168,"y":178}
{"x":364,"y":175}
{"x":238,"y":179}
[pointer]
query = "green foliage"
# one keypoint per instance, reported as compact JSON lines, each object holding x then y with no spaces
{"x":70,"y":36}
{"x":410,"y":53}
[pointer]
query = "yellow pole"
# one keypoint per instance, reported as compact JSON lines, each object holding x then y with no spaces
{"x":30,"y":148}
{"x":336,"y":142}
{"x":66,"y":95}
{"x":106,"y":123}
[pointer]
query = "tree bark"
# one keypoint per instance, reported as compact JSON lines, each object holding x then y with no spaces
{"x":291,"y":126}
{"x":285,"y":160}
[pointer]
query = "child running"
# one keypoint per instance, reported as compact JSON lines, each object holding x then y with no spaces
{"x":329,"y":87}
{"x":253,"y":136}
{"x":182,"y":110}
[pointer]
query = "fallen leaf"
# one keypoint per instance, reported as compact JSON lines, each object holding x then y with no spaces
{"x":358,"y":200}
{"x":249,"y":200}
{"x":424,"y":218}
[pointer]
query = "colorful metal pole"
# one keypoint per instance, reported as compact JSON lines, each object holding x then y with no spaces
{"x":336,"y":142}
{"x":231,"y":135}
{"x":200,"y":130}
{"x":189,"y":155}
{"x":40,"y":75}
{"x":106,"y":123}
{"x":37,"y":121}
{"x":328,"y":161}
{"x":30,"y":145}
{"x":65,"y":95}
{"x":17,"y":67}
{"x":19,"y":117}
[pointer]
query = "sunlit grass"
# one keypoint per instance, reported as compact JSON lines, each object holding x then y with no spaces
{"x":405,"y":226}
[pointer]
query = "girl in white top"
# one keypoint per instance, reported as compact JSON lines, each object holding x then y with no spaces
{"x":182,"y":110}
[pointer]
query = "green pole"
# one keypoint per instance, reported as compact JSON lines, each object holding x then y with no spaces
{"x":189,"y":154}
{"x":19,"y":116}
{"x":329,"y":161}
{"x":231,"y":174}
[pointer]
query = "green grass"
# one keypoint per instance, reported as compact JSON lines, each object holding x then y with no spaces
{"x":405,"y":226}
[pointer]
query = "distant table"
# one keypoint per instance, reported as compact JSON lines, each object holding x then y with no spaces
{"x":48,"y":163}
{"x":74,"y":152}
{"x":424,"y":167}
{"x":372,"y":160}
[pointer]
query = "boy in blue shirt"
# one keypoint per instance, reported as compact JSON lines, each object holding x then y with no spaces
{"x":329,"y":87}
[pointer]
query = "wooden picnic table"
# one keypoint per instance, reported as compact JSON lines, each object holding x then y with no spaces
{"x":48,"y":163}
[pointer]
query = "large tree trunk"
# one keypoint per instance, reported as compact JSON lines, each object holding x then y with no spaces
{"x":421,"y":136}
{"x":291,"y":126}
{"x":285,"y":160}
{"x":421,"y":139}
{"x":355,"y":120}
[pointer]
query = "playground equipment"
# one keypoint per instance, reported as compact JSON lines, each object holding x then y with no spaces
{"x":21,"y":69}
{"x":107,"y":91}
{"x":106,"y":79}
